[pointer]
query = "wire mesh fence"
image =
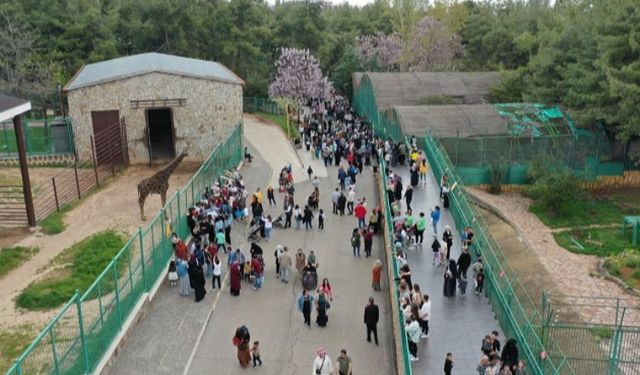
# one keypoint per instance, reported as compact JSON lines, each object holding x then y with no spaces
{"x":79,"y":336}
{"x":405,"y":366}
{"x":253,"y":104}
{"x":514,"y":309}
{"x":44,"y":136}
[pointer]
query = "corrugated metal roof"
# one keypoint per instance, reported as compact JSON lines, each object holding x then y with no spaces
{"x":130,"y":66}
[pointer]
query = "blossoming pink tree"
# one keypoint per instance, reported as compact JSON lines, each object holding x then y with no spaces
{"x":298,"y":77}
{"x":382,"y":51}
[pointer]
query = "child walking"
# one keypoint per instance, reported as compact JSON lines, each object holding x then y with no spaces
{"x":247,"y":271}
{"x":321,"y":219}
{"x":255,"y":351}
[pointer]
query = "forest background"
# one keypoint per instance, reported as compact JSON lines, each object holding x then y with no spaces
{"x":582,"y":54}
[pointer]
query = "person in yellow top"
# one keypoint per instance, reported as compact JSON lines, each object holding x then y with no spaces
{"x":258,"y":195}
{"x":414,"y":155}
{"x":422,"y":171}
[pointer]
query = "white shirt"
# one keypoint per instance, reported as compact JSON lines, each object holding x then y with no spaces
{"x":351,"y":197}
{"x":217,"y":268}
{"x":425,"y":311}
{"x":326,"y":368}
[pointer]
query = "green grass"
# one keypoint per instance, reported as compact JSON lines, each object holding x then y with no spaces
{"x":591,"y":210}
{"x":13,"y":341}
{"x":54,"y":223}
{"x":611,"y":238}
{"x":81,"y":264}
{"x":11,"y":257}
{"x":279,"y":120}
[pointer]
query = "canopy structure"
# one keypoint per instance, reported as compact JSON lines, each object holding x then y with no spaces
{"x":448,"y":121}
{"x":11,"y":107}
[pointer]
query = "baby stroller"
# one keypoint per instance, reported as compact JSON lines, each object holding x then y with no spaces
{"x":278,"y":222}
{"x":254,"y":232}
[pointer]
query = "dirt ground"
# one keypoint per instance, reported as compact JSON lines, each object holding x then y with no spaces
{"x":11,"y":176}
{"x":114,"y":206}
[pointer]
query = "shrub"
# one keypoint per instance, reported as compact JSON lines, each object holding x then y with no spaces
{"x":497,"y":174}
{"x":553,"y":187}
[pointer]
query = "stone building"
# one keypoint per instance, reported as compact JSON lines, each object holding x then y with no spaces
{"x":150,"y":107}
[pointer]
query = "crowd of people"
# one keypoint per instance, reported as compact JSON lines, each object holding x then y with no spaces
{"x":333,"y":134}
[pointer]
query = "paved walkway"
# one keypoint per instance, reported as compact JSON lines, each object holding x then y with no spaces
{"x":166,"y":341}
{"x":458,"y":324}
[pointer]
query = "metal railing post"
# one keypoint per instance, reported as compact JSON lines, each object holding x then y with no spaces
{"x":144,"y":271}
{"x":75,"y":171}
{"x":55,"y":193}
{"x":83,"y":338}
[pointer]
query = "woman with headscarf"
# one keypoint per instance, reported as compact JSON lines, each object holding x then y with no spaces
{"x":241,"y":340}
{"x":450,"y":275}
{"x":321,"y":308}
{"x":235,"y":279}
{"x":509,"y":355}
{"x":376,"y":273}
{"x":300,"y":260}
{"x":322,"y":363}
{"x":196,"y":275}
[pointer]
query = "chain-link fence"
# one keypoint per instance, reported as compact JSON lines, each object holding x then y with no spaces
{"x":253,"y":104}
{"x":514,"y":309}
{"x":79,"y":336}
{"x":404,"y":363}
{"x":46,"y":136}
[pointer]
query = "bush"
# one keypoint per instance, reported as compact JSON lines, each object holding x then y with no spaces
{"x":555,"y":188}
{"x":497,"y":174}
{"x":87,"y":259}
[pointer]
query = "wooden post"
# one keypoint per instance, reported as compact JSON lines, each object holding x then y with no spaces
{"x":95,"y":163}
{"x":24,"y":171}
{"x":55,"y":193}
{"x":75,"y":170}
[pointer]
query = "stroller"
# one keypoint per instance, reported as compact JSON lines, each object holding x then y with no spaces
{"x":278,"y":222}
{"x":254,"y":232}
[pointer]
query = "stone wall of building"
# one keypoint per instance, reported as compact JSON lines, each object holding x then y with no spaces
{"x":212,"y":111}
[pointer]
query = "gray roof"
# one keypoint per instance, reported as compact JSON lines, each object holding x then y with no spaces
{"x":130,"y":66}
{"x":445,"y":121}
{"x":416,"y":88}
{"x":11,"y":107}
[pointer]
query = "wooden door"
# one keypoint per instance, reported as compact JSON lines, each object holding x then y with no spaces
{"x":107,"y":136}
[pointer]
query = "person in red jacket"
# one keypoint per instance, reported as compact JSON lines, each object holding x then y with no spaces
{"x":361,"y":213}
{"x":256,"y":266}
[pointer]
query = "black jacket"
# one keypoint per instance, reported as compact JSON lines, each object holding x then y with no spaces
{"x":371,"y":314}
{"x":464,"y":261}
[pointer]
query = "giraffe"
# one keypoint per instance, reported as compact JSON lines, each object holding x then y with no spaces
{"x":157,"y":184}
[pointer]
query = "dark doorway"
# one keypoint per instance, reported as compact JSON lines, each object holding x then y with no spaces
{"x":107,"y":137}
{"x":160,"y":125}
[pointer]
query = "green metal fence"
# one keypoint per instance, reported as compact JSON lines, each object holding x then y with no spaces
{"x":44,"y":136}
{"x":253,"y":104}
{"x":514,"y":309}
{"x":78,"y":337}
{"x":388,"y":232}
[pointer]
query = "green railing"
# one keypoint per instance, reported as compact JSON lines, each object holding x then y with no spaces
{"x":77,"y":338}
{"x":253,"y":104}
{"x":514,"y":309}
{"x":395,"y":303}
{"x":45,"y":136}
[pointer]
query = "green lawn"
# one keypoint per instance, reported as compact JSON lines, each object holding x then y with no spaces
{"x":281,"y":121}
{"x":595,"y":241}
{"x":79,"y":265}
{"x":594,"y":209}
{"x":11,"y":257}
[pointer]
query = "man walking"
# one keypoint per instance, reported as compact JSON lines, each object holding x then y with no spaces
{"x":371,"y":317}
{"x":285,"y":265}
{"x":335,"y":196}
{"x":360,"y":212}
{"x":351,"y":199}
{"x":343,"y":363}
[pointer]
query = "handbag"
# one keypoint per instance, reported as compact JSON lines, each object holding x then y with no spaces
{"x":319,"y":370}
{"x":327,"y":305}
